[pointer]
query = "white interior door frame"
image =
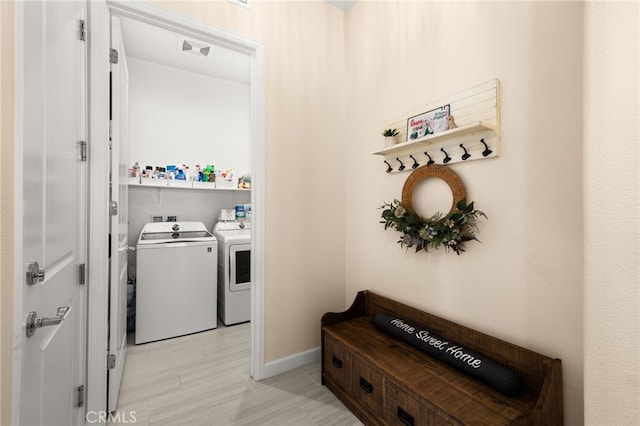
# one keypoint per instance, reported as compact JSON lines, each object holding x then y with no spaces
{"x":18,"y":288}
{"x":99,"y":12}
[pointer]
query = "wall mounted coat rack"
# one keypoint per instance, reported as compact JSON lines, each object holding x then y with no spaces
{"x":476,"y":112}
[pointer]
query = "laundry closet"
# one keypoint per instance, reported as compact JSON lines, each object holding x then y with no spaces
{"x":189,"y":114}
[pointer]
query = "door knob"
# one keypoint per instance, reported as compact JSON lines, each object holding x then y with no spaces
{"x":34,"y":273}
{"x":34,"y":322}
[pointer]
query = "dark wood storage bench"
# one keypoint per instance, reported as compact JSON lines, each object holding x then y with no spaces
{"x":385,"y":381}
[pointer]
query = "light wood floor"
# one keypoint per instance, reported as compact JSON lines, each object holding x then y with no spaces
{"x":203,"y":379}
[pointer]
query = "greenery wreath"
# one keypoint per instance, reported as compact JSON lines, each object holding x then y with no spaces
{"x":452,"y":231}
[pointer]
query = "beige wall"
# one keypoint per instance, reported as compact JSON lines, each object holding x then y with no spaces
{"x":523,"y":283}
{"x":305,"y":137}
{"x":612,"y":213}
{"x":6,"y":207}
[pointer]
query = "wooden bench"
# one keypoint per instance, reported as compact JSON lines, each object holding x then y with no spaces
{"x":385,"y":381}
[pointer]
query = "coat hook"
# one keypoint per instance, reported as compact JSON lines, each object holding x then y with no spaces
{"x":389,"y":169}
{"x":430,"y":162}
{"x":415,"y":163}
{"x":486,"y":151}
{"x":466,"y":155}
{"x":401,"y":168}
{"x":446,"y":156}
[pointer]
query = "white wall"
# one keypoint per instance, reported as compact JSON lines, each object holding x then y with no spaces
{"x":523,"y":282}
{"x":179,"y":117}
{"x":612,"y":213}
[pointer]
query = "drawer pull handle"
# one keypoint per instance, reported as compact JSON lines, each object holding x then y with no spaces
{"x":366,"y":386}
{"x":405,"y":417}
{"x":337,"y":362}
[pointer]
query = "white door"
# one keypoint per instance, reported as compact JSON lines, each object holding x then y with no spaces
{"x":52,"y":123}
{"x":119,"y":221}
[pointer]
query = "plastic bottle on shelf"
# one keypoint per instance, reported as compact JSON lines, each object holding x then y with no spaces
{"x":212,"y":171}
{"x":209,"y":173}
{"x":240,"y":212}
{"x":196,"y":176}
{"x":162,"y":172}
{"x":171,"y":171}
{"x":180,"y":175}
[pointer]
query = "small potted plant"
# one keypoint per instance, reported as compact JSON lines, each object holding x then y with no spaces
{"x":390,"y":136}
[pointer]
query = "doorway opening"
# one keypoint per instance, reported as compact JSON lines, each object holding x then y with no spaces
{"x":196,"y":40}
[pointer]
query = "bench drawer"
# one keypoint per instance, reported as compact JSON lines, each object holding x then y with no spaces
{"x":337,"y":362}
{"x":366,"y":385}
{"x":403,"y":409}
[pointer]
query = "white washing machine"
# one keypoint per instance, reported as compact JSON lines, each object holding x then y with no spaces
{"x":176,"y":283}
{"x":234,"y":270}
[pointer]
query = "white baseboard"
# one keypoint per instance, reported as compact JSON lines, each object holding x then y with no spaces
{"x":290,"y":362}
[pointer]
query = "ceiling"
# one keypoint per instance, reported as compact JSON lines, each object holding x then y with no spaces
{"x":161,"y":46}
{"x":164,"y":47}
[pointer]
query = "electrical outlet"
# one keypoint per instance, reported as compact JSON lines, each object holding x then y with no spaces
{"x":171,"y":218}
{"x":156,"y":218}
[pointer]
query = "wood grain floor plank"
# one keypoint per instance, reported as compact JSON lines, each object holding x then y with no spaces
{"x":203,"y":379}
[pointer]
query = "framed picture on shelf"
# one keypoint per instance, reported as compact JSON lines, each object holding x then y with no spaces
{"x":428,"y":123}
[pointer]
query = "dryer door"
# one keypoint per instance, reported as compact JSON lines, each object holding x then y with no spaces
{"x":239,"y":267}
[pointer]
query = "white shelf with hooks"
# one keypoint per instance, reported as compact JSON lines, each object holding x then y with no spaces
{"x":476,"y":112}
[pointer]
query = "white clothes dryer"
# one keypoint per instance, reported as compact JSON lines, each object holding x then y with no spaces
{"x":234,"y":271}
{"x":176,"y":282}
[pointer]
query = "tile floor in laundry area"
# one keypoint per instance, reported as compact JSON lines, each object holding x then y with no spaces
{"x":203,"y":379}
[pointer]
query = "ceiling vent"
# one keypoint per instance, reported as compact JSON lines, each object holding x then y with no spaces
{"x":197,"y":48}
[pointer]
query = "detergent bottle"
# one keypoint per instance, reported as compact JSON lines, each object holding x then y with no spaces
{"x":180,"y":175}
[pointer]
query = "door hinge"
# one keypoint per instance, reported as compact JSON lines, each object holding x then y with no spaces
{"x":82,"y":273}
{"x":113,"y":56}
{"x":83,"y":30}
{"x":81,"y":396}
{"x":111,"y":361}
{"x":83,"y":150}
{"x":113,"y":208}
